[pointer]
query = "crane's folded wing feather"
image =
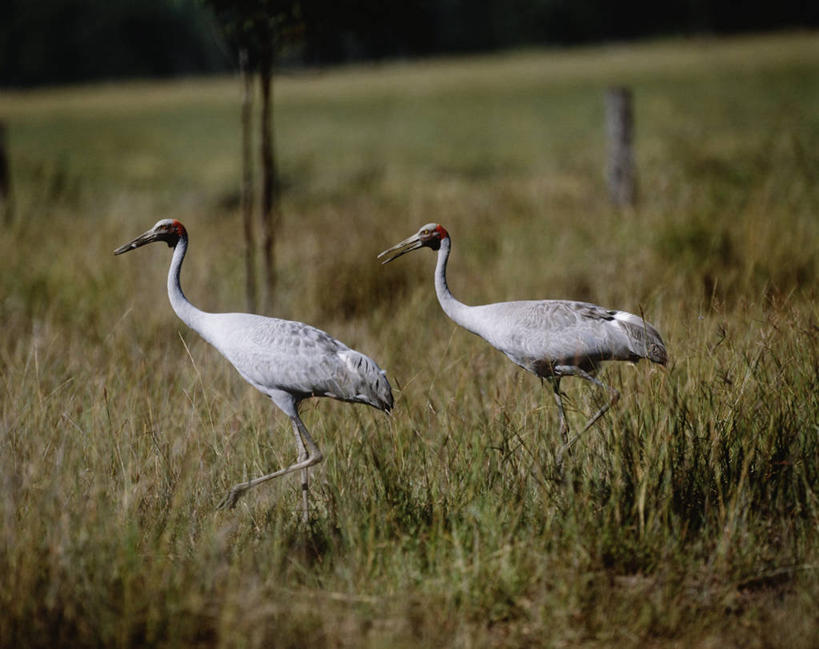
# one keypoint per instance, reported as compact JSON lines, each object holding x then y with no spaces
{"x":276,"y":354}
{"x":539,"y":335}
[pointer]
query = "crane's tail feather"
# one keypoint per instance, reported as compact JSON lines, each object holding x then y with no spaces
{"x":367,"y":381}
{"x":644,"y":340}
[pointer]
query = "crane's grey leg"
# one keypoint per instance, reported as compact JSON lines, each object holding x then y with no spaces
{"x":564,"y":426}
{"x":314,"y":456}
{"x":304,"y":474}
{"x":614,"y":395}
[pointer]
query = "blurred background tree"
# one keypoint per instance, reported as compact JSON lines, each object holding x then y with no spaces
{"x":257,"y":31}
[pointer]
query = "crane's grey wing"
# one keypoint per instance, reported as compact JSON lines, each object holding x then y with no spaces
{"x":275,"y":354}
{"x":540,"y":335}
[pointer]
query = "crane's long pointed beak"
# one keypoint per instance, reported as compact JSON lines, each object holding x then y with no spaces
{"x":146,"y":237}
{"x":407,"y":245}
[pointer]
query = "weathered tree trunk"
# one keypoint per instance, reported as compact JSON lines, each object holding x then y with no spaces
{"x":6,"y":200}
{"x":246,"y":191}
{"x":622,"y":176}
{"x":270,"y":190}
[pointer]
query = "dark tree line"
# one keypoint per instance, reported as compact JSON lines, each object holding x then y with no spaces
{"x":65,"y":41}
{"x":61,"y":41}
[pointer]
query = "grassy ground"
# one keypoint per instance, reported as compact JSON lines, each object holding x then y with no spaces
{"x":687,"y":517}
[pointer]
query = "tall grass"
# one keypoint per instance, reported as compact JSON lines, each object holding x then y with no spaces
{"x":686,"y":517}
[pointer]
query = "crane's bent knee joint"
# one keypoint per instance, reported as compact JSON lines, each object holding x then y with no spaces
{"x":315,"y":457}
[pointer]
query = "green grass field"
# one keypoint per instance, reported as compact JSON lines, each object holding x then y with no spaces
{"x":688,"y":517}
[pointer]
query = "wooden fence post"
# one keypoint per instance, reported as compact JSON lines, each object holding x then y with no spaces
{"x":622,"y":175}
{"x":6,"y":200}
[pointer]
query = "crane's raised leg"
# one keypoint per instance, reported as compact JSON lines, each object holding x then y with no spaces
{"x":614,"y":395}
{"x":307,"y":457}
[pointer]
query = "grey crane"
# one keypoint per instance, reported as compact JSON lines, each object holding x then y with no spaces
{"x":288,"y":361}
{"x":550,"y":338}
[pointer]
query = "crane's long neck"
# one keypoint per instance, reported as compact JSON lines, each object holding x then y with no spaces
{"x":457,"y":311}
{"x":188,"y":313}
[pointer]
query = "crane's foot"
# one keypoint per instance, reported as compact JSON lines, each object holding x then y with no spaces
{"x":564,"y":448}
{"x":559,"y":457}
{"x":229,"y":501}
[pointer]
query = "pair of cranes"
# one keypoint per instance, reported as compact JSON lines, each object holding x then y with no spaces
{"x":292,"y":361}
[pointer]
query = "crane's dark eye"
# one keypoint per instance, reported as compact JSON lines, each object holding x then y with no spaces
{"x":424,"y":231}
